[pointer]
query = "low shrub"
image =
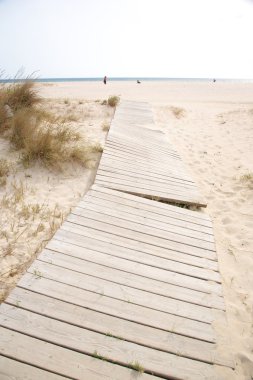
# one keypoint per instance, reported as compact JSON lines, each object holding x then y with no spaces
{"x":113,"y":101}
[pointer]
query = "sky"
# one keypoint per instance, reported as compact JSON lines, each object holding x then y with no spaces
{"x":127,"y":38}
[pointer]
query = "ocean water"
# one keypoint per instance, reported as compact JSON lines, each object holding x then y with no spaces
{"x":142,"y":79}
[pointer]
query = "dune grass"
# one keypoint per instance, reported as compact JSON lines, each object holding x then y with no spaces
{"x":178,"y":112}
{"x":113,"y":101}
{"x":39,"y":134}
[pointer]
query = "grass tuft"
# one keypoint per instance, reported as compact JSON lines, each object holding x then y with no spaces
{"x":4,"y":168}
{"x":21,"y":95}
{"x":97,"y":148}
{"x":113,"y":101}
{"x":45,"y":141}
{"x":105,"y":127}
{"x":178,"y":112}
{"x":247,"y":177}
{"x":136,"y":366}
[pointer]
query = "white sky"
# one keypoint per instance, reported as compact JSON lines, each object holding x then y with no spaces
{"x":157,"y":38}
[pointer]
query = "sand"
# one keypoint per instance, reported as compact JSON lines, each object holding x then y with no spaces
{"x":211,"y":126}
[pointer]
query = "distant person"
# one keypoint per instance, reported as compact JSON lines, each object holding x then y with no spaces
{"x":105,"y":79}
{"x":138,"y":81}
{"x":214,"y":80}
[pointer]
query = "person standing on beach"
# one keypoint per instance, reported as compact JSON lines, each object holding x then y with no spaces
{"x":105,"y":79}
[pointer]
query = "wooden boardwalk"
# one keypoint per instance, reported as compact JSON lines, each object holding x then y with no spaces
{"x":126,"y":285}
{"x":126,"y":279}
{"x":138,"y":160}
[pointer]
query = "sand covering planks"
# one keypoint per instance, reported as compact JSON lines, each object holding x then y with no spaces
{"x":138,"y":160}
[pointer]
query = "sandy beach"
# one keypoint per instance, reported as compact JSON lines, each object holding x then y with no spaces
{"x":209,"y":124}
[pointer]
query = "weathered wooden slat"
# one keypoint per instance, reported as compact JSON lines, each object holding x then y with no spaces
{"x":143,"y":237}
{"x":145,"y":183}
{"x":62,"y":361}
{"x":144,"y":217}
{"x":173,"y":278}
{"x":138,"y":150}
{"x":167,"y":216}
{"x":144,"y":166}
{"x":87,"y":342}
{"x":155,"y":177}
{"x":150,"y":194}
{"x":98,"y":301}
{"x":117,"y":328}
{"x":141,"y":159}
{"x":126,"y":220}
{"x":152,"y":176}
{"x":155,"y":159}
{"x":164,"y":209}
{"x":14,"y":370}
{"x":93,"y":276}
{"x":124,"y":262}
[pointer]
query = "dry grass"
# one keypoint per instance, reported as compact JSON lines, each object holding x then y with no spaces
{"x":97,"y":148}
{"x":113,"y":101}
{"x":44,"y":141}
{"x":4,"y":171}
{"x":247,"y":177}
{"x":21,"y":95}
{"x":4,"y":168}
{"x":178,"y":112}
{"x":105,"y":127}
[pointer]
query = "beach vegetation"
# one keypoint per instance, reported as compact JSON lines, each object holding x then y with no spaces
{"x":4,"y":168}
{"x":19,"y":95}
{"x":97,"y":355}
{"x":113,"y":101}
{"x":178,"y":112}
{"x":105,"y":127}
{"x":247,"y":177}
{"x":136,"y":366}
{"x":46,"y":142}
{"x":97,"y":148}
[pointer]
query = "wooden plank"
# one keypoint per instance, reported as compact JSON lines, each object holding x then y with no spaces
{"x":13,"y":370}
{"x":97,"y":301}
{"x":93,"y":275}
{"x":205,"y":274}
{"x":141,"y":150}
{"x":87,"y":342}
{"x":117,"y":328}
{"x":123,"y":262}
{"x":73,"y":235}
{"x":150,"y":194}
{"x":166,"y":216}
{"x":159,"y":178}
{"x":159,"y":258}
{"x":145,"y":165}
{"x":133,"y":171}
{"x":136,"y":285}
{"x":160,"y":159}
{"x":165,"y":209}
{"x":153,"y":176}
{"x":142,"y":237}
{"x":126,"y":220}
{"x":144,"y":217}
{"x":62,"y":361}
{"x":145,"y":183}
{"x":125,"y":152}
{"x":173,"y":277}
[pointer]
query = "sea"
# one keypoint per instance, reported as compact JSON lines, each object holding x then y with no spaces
{"x":142,"y":79}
